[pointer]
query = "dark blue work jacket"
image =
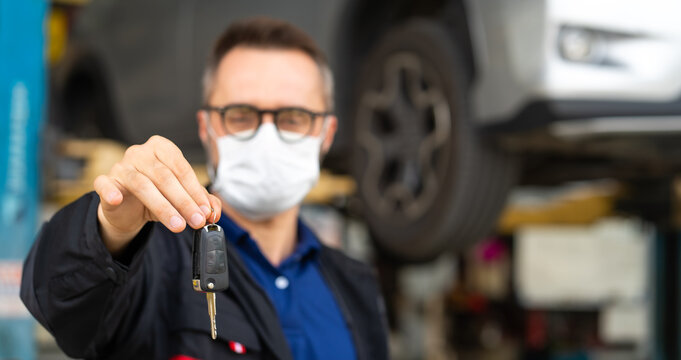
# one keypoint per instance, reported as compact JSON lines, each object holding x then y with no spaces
{"x":142,"y":305}
{"x":308,"y":312}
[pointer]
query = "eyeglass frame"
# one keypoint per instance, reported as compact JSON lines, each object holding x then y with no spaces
{"x":221,"y":110}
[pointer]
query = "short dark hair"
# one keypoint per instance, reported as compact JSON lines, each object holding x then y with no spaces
{"x":267,"y":33}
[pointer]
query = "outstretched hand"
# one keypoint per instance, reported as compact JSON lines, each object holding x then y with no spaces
{"x":153,"y":182}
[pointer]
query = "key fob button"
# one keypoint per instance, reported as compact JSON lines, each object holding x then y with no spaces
{"x":214,"y":242}
{"x":220,"y":264}
{"x":210,"y":262}
{"x":215,"y":262}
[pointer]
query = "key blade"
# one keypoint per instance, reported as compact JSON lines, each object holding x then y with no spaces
{"x":212,"y":311}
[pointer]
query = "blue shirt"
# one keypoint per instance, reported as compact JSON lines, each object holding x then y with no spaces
{"x":308,"y":312}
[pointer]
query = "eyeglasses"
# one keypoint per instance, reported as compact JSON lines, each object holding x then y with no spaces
{"x":243,"y":121}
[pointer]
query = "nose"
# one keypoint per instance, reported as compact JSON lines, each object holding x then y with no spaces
{"x":268,"y":117}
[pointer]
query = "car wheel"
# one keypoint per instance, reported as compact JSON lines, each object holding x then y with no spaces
{"x":82,"y":104}
{"x":428,"y":181}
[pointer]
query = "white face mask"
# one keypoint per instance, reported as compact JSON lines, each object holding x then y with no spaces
{"x":264,"y":176}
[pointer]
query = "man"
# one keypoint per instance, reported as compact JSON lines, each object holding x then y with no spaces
{"x":109,"y":276}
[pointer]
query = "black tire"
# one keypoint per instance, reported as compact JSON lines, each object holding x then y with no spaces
{"x":82,"y":103}
{"x":427,"y":180}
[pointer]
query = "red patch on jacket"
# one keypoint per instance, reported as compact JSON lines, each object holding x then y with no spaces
{"x":182,"y":357}
{"x":237,"y":347}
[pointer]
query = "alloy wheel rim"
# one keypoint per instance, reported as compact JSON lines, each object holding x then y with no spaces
{"x":404,"y":129}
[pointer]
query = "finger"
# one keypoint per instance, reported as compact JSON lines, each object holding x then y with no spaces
{"x":109,"y":194}
{"x":166,"y":182}
{"x":144,"y":189}
{"x":170,"y":155}
{"x":216,"y":206}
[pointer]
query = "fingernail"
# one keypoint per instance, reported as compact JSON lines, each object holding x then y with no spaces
{"x":205,"y":209}
{"x":176,"y":222}
{"x":197,"y":219}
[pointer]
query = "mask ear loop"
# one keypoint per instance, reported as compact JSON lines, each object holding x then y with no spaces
{"x":325,"y":128}
{"x":322,"y":137}
{"x":209,"y":127}
{"x":212,"y":170}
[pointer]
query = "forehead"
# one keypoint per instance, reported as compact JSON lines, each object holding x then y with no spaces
{"x":268,"y":78}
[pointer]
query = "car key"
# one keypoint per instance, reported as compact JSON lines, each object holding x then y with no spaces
{"x":209,"y":267}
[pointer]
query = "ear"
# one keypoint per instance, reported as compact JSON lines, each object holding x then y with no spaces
{"x":201,"y":120}
{"x":331,"y":127}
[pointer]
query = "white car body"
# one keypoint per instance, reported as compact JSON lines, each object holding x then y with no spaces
{"x":517,"y":46}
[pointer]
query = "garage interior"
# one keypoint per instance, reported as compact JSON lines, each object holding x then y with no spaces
{"x":581,"y":261}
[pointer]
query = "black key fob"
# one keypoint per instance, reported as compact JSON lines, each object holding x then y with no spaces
{"x":209,"y":259}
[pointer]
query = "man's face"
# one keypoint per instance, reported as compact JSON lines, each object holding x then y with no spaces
{"x":267,"y":79}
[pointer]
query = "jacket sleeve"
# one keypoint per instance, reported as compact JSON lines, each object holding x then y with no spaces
{"x":89,"y":301}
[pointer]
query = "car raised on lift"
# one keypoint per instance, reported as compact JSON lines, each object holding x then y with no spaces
{"x":444,"y":105}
